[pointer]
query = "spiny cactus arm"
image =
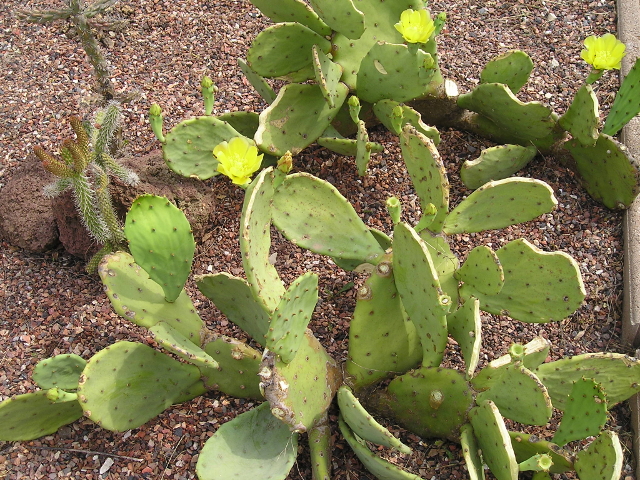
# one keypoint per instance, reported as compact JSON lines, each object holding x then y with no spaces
{"x":602,"y":460}
{"x":585,"y":413}
{"x":466,"y":328}
{"x":53,"y":165}
{"x":494,"y":440}
{"x":496,"y":163}
{"x":471,"y":453}
{"x":253,"y":445}
{"x":582,"y":118}
{"x":136,"y":297}
{"x":320,"y":449}
{"x":236,"y":300}
{"x":97,"y":60}
{"x":122,"y":173}
{"x":105,"y":207}
{"x":106,"y":122}
{"x":379,"y":467}
{"x":86,"y":202}
{"x":525,"y":446}
{"x":34,"y":415}
{"x":97,"y":7}
{"x":127,"y":384}
{"x":44,"y":16}
{"x":161,"y":242}
{"x":511,"y":68}
{"x":626,"y":104}
{"x":363,"y":424}
{"x":62,"y":371}
{"x":292,"y":11}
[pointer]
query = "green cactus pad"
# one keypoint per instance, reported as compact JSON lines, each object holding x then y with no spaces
{"x":161,"y":242}
{"x":496,"y":163}
{"x":341,"y":16}
{"x":466,"y":328}
{"x":245,"y":123}
{"x":301,"y":391}
{"x":430,"y":402}
{"x":520,"y":200}
{"x":538,"y":286}
{"x":483,"y":271}
{"x":188,"y":148}
{"x":518,"y":393}
{"x":284,"y":48}
{"x":617,"y":374}
{"x":291,"y":317}
{"x":602,"y":460}
{"x":471,"y":453}
{"x":427,"y":172}
{"x":585,"y":412}
{"x":312,"y":214}
{"x":363,"y":151}
{"x":175,"y":342}
{"x":608,"y":171}
{"x":444,"y":261}
{"x":127,"y":384}
{"x":511,"y":68}
{"x":255,"y":241}
{"x":238,"y":366}
{"x":527,"y":121}
{"x":253,"y":445}
{"x":363,"y":424}
{"x":292,"y":11}
{"x":327,"y":75}
{"x":422,"y":297}
{"x":235,"y":299}
{"x":62,"y":371}
{"x":257,"y":82}
{"x":379,"y":467}
{"x":382,"y":341}
{"x":320,"y":450}
{"x":139,"y":299}
{"x":347,"y":146}
{"x":494,"y":440}
{"x":384,"y":111}
{"x":286,"y":124}
{"x":626,"y":104}
{"x":582,"y":118}
{"x":525,"y":446}
{"x":34,"y":415}
{"x":395,"y":72}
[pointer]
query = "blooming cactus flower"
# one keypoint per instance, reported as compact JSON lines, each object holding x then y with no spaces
{"x":238,"y":159}
{"x":604,"y":53}
{"x":416,"y":26}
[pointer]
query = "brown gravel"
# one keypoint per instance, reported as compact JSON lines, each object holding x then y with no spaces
{"x":50,"y":306}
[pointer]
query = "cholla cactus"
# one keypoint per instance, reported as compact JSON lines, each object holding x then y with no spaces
{"x":85,"y":167}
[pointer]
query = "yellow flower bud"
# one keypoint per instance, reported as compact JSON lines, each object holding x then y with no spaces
{"x":416,"y":26}
{"x":604,"y":53}
{"x":238,"y":159}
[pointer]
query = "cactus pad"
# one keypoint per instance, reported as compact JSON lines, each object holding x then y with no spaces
{"x":327,"y":75}
{"x":363,"y":151}
{"x":608,"y":171}
{"x":286,"y":124}
{"x":471,"y":453}
{"x":483,"y":271}
{"x":291,"y":317}
{"x":511,"y":68}
{"x":520,"y":200}
{"x":292,"y":11}
{"x":363,"y":424}
{"x":253,"y":445}
{"x":161,"y":242}
{"x":626,"y":104}
{"x":585,"y":413}
{"x":538,"y":286}
{"x":427,"y":172}
{"x":341,"y":16}
{"x":301,"y":391}
{"x":444,"y":261}
{"x":34,"y":415}
{"x":386,"y":110}
{"x":175,"y":342}
{"x":235,"y":299}
{"x":312,"y":214}
{"x":320,"y":449}
{"x":62,"y":371}
{"x":466,"y":328}
{"x":602,"y":460}
{"x":494,"y":441}
{"x":257,"y":82}
{"x":582,"y":118}
{"x":617,"y":374}
{"x":127,"y":384}
{"x":382,"y":341}
{"x":525,"y":446}
{"x":238,"y":365}
{"x":496,"y":163}
{"x":188,"y":147}
{"x":347,"y":146}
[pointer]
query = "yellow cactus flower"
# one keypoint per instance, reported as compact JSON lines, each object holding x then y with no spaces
{"x":604,"y":53}
{"x":238,"y":159}
{"x":416,"y":26}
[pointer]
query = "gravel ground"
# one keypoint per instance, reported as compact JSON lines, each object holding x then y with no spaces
{"x":51,"y":306}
